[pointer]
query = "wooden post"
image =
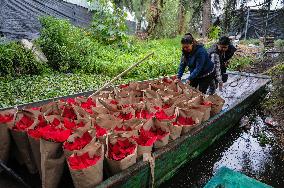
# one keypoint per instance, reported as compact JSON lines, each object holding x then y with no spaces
{"x":121,"y":74}
{"x":247,"y":23}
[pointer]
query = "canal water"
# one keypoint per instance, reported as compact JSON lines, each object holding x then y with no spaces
{"x":248,"y":148}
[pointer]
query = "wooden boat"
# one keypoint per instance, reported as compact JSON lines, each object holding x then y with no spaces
{"x":240,"y":92}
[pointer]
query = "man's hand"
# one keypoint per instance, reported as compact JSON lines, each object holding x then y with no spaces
{"x":221,"y":86}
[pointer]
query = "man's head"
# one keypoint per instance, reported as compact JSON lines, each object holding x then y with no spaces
{"x":187,"y":43}
{"x":223,"y":44}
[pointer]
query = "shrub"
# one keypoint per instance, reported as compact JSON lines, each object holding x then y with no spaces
{"x":15,"y":60}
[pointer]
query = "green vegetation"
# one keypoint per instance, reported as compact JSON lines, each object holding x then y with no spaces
{"x":240,"y":63}
{"x":16,"y":60}
{"x":276,"y":101}
{"x":279,"y":44}
{"x":77,"y":62}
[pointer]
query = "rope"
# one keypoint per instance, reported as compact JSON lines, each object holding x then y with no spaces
{"x":148,"y":157}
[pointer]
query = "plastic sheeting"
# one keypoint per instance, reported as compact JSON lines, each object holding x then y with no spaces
{"x":19,"y":18}
{"x":257,"y":23}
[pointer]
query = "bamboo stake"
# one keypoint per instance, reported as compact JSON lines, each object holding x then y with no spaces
{"x":121,"y":74}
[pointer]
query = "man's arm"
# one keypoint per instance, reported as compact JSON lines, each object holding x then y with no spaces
{"x":181,"y":68}
{"x":216,"y":60}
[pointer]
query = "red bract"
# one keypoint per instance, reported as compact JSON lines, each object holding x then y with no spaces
{"x":161,"y":115}
{"x":69,"y":113}
{"x":81,"y":162}
{"x":24,"y":123}
{"x":143,"y":114}
{"x":54,"y":134}
{"x":165,"y":106}
{"x":69,"y":124}
{"x":113,"y":102}
{"x":122,"y":128}
{"x":159,"y":133}
{"x":123,"y":86}
{"x":6,"y":118}
{"x":100,"y":131}
{"x":34,"y":133}
{"x":146,"y":138}
{"x":79,"y":143}
{"x":36,"y":108}
{"x":125,"y":116}
{"x":69,"y":101}
{"x":167,"y":80}
{"x":55,"y":122}
{"x":81,"y":124}
{"x":88,"y":104}
{"x":185,"y":121}
{"x":207,"y":103}
{"x":121,"y":149}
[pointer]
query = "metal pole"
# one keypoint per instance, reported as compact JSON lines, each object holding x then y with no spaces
{"x":123,"y":73}
{"x":247,"y":23}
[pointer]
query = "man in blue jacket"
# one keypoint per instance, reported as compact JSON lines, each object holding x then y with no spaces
{"x":195,"y":57}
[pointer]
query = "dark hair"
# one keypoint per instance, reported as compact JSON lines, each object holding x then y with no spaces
{"x":224,"y":41}
{"x":187,"y":39}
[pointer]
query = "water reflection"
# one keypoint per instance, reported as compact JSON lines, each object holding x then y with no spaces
{"x":241,"y":150}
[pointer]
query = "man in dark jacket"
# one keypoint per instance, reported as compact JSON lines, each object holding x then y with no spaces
{"x":195,"y":57}
{"x":220,"y":54}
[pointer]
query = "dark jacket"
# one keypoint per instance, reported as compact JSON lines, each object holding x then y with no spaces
{"x":198,"y":63}
{"x":225,"y":56}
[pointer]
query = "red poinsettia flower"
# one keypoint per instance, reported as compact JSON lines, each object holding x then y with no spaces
{"x":6,"y":118}
{"x":125,"y":116}
{"x":122,"y":128}
{"x":121,"y":149}
{"x":34,"y":133}
{"x":69,"y":124}
{"x":69,"y":112}
{"x":88,"y":104}
{"x":54,"y":134}
{"x":81,"y":124}
{"x":69,"y":100}
{"x":36,"y":108}
{"x":207,"y":103}
{"x":23,"y":123}
{"x":146,"y":138}
{"x":55,"y":122}
{"x":123,"y":86}
{"x":100,"y":131}
{"x":188,"y":121}
{"x":81,"y":162}
{"x":143,"y":114}
{"x":167,"y":80}
{"x":159,"y":133}
{"x":161,"y":115}
{"x":113,"y":102}
{"x":79,"y":143}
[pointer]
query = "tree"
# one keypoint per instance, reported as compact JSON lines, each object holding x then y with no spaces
{"x":206,"y":17}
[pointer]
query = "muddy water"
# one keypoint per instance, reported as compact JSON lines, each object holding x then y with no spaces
{"x":250,"y":150}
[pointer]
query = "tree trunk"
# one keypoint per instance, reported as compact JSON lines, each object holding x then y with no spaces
{"x":206,"y":17}
{"x":181,"y":17}
{"x":154,"y":16}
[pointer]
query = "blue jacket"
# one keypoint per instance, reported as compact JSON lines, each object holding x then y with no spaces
{"x":198,"y":63}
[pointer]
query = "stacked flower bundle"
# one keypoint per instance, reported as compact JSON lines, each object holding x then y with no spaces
{"x":128,"y":121}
